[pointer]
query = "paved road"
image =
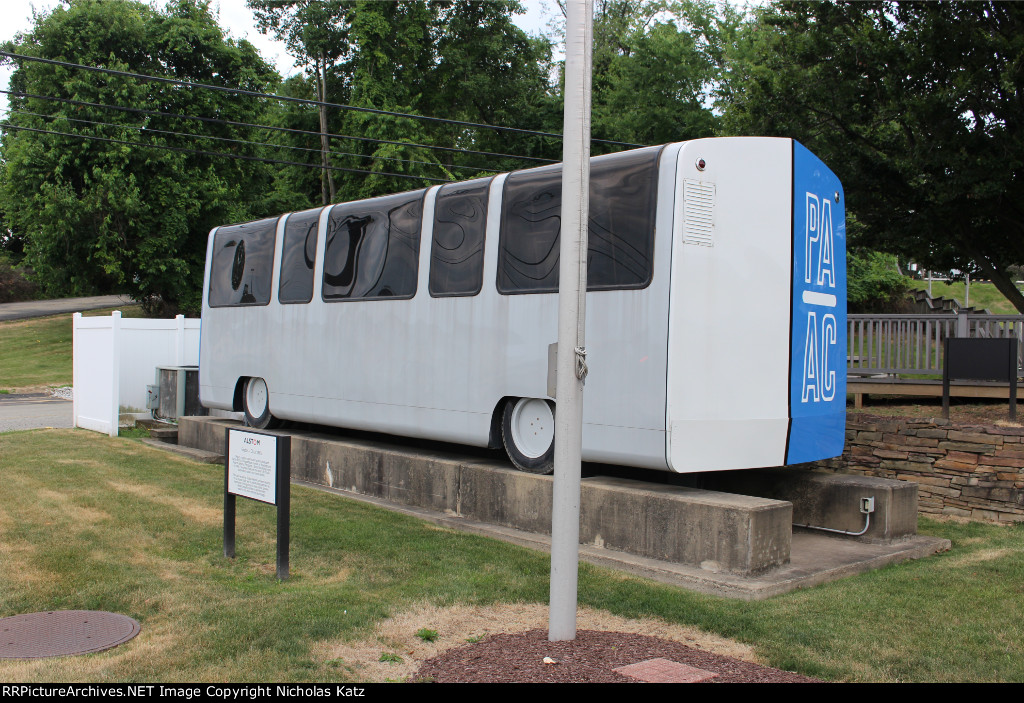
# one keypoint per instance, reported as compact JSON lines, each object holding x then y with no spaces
{"x":32,"y":411}
{"x":41,"y":308}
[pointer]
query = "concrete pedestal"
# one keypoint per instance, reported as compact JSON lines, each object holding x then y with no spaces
{"x":715,"y":531}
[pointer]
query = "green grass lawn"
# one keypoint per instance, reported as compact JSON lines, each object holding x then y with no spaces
{"x":92,"y":522}
{"x":37,"y":352}
{"x":983,"y":295}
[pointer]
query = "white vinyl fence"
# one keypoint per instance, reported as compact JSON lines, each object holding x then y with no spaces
{"x":115,"y":359}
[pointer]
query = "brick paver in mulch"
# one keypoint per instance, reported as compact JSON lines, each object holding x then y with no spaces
{"x":662,"y":670}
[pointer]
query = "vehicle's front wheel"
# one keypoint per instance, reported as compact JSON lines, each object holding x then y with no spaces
{"x":257,"y":405}
{"x":528,"y":433}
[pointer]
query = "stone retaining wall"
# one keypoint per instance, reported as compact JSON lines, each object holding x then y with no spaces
{"x":967,"y":471}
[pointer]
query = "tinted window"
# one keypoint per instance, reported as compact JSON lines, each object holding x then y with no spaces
{"x":372,"y":248}
{"x":620,"y":248}
{"x":243,"y":262}
{"x":531,"y":215}
{"x":457,"y":250}
{"x":297,"y":257}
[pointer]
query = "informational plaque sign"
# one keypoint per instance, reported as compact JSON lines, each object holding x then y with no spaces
{"x":980,"y":359}
{"x":252,"y":466}
{"x":257,"y":465}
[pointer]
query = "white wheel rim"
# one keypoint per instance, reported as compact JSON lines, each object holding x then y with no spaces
{"x":533,"y":427}
{"x":256,"y":397}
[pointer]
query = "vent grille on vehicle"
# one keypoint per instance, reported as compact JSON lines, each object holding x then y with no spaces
{"x":698,"y":211}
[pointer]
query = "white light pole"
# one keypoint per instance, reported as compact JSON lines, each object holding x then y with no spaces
{"x":572,"y":290}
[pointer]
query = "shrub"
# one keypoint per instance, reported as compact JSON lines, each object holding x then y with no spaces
{"x":15,"y":285}
{"x":874,"y":284}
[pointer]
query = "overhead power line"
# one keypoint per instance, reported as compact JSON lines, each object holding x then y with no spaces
{"x":143,"y":128}
{"x":244,"y":157}
{"x":303,"y":101}
{"x":292,"y":130}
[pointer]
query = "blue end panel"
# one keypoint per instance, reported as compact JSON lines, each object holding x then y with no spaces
{"x":817,"y":387}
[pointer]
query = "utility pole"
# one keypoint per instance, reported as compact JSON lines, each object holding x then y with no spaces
{"x":571,"y":368}
{"x":326,"y":177}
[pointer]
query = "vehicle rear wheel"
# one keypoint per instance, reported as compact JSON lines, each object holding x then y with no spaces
{"x":528,"y":433}
{"x":256,"y":404}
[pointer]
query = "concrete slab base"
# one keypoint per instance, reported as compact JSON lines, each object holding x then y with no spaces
{"x":719,"y":543}
{"x":815,"y":558}
{"x":720,"y":531}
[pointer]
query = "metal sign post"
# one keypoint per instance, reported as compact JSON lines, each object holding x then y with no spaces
{"x":257,"y":465}
{"x":571,"y":365}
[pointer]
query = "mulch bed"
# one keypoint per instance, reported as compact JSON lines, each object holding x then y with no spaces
{"x":590,"y":658}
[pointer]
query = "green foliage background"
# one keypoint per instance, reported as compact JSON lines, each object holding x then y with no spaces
{"x":918,"y":109}
{"x":874,"y":283}
{"x":96,"y":216}
{"x":916,"y":106}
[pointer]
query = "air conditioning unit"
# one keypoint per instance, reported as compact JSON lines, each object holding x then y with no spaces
{"x":175,"y":393}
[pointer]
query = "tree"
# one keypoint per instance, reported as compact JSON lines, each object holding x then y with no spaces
{"x":656,"y":66}
{"x":453,"y":59}
{"x":487,"y":70}
{"x":99,"y":216}
{"x":316,"y":33}
{"x":918,"y":107}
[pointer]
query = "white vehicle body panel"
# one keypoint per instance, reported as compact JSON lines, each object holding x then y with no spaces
{"x":730,"y":308}
{"x":438,"y":368}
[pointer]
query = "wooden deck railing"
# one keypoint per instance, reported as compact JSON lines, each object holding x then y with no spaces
{"x":912,"y":344}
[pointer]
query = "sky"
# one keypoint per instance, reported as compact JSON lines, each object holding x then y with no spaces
{"x":234,"y":16}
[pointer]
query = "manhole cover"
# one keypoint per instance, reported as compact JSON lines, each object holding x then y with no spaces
{"x":62,"y":633}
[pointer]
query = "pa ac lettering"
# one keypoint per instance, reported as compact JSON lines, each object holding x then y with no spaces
{"x":819,"y":254}
{"x":819,"y":381}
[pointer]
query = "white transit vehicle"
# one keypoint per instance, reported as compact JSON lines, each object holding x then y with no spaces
{"x":716,"y":311}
